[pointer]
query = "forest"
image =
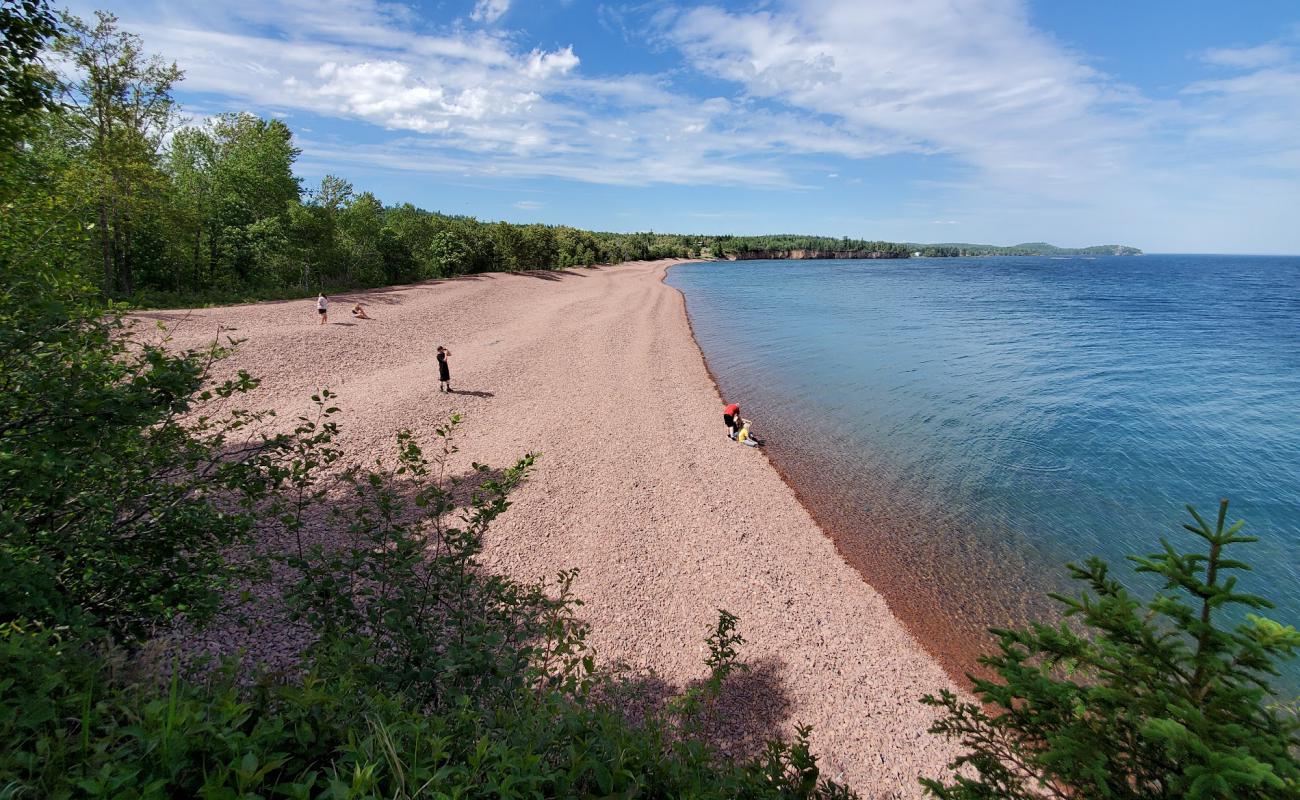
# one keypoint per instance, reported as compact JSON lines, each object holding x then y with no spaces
{"x":956,"y":250}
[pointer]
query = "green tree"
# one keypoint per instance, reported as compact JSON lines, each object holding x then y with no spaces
{"x":234,"y":173}
{"x":412,"y":230}
{"x":361,"y":225}
{"x":448,"y":253}
{"x":25,"y":85}
{"x":537,"y":247}
{"x":190,"y":162}
{"x":1162,"y":699}
{"x":107,"y":509}
{"x":328,"y":201}
{"x":120,"y":110}
{"x":507,"y":244}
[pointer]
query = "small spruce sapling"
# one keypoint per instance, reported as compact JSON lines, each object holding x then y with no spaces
{"x":1135,"y":700}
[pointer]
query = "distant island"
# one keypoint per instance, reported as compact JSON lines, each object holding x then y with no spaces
{"x":744,"y":248}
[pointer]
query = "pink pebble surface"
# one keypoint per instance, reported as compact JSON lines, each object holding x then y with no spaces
{"x":637,"y":485}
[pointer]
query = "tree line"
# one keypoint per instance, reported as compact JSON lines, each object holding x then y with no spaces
{"x":192,"y":209}
{"x":957,"y":250}
{"x":723,"y":246}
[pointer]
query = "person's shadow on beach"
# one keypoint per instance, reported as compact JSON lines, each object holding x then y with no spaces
{"x":470,"y":393}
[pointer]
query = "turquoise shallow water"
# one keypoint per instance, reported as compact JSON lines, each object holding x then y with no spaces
{"x":968,"y":425}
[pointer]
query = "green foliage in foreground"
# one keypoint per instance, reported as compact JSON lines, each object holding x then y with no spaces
{"x":1160,"y":699}
{"x":339,"y":738}
{"x":424,"y":677}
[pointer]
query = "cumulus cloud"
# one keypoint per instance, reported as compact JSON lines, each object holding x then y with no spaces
{"x":490,"y":11}
{"x":543,"y":65}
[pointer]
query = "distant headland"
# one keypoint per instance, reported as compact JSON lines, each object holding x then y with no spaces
{"x":744,"y":248}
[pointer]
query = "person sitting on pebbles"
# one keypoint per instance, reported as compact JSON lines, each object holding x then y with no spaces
{"x":745,"y":437}
{"x":359,"y":312}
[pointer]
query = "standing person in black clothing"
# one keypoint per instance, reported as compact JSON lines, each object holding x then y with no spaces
{"x":444,"y":371}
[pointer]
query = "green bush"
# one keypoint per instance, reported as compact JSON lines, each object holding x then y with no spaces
{"x":1160,"y":699}
{"x":424,"y":675}
{"x":83,"y":733}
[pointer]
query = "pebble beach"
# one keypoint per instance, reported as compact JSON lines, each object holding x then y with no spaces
{"x":637,"y":486}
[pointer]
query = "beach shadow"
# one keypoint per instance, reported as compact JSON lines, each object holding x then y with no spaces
{"x":470,"y":393}
{"x":746,"y":714}
{"x":752,"y":706}
{"x":163,"y":316}
{"x":256,"y":624}
{"x":344,"y":324}
{"x":550,"y":274}
{"x":392,"y":295}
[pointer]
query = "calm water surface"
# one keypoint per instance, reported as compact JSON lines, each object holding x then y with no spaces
{"x":962,"y":422}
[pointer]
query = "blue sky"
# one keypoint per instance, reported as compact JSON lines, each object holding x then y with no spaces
{"x":1171,"y":126}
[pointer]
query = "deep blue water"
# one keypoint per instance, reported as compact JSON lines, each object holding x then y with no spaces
{"x":1010,"y":414}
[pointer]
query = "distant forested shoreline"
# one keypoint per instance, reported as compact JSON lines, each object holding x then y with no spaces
{"x":741,"y":248}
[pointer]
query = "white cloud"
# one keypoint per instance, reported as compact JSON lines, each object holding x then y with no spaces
{"x":1246,"y":57}
{"x":542,"y":65}
{"x":528,"y":205}
{"x":1042,"y":138}
{"x":971,"y":79}
{"x":490,"y":11}
{"x":485,"y":105}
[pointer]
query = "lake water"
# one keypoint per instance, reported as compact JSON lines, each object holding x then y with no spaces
{"x":966,"y":426}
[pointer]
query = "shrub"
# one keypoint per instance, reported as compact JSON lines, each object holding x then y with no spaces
{"x":109,"y":511}
{"x":1137,"y":700}
{"x":426,"y":677}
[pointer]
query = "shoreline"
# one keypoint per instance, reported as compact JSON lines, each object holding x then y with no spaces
{"x":953,"y":633}
{"x":965,"y":643}
{"x":637,"y":487}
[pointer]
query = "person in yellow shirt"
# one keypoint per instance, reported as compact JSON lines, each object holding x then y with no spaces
{"x":745,"y":437}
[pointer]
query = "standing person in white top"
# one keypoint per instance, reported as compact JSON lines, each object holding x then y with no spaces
{"x":322,"y":308}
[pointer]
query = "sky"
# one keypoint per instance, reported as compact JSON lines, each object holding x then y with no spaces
{"x":1173,"y":126}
